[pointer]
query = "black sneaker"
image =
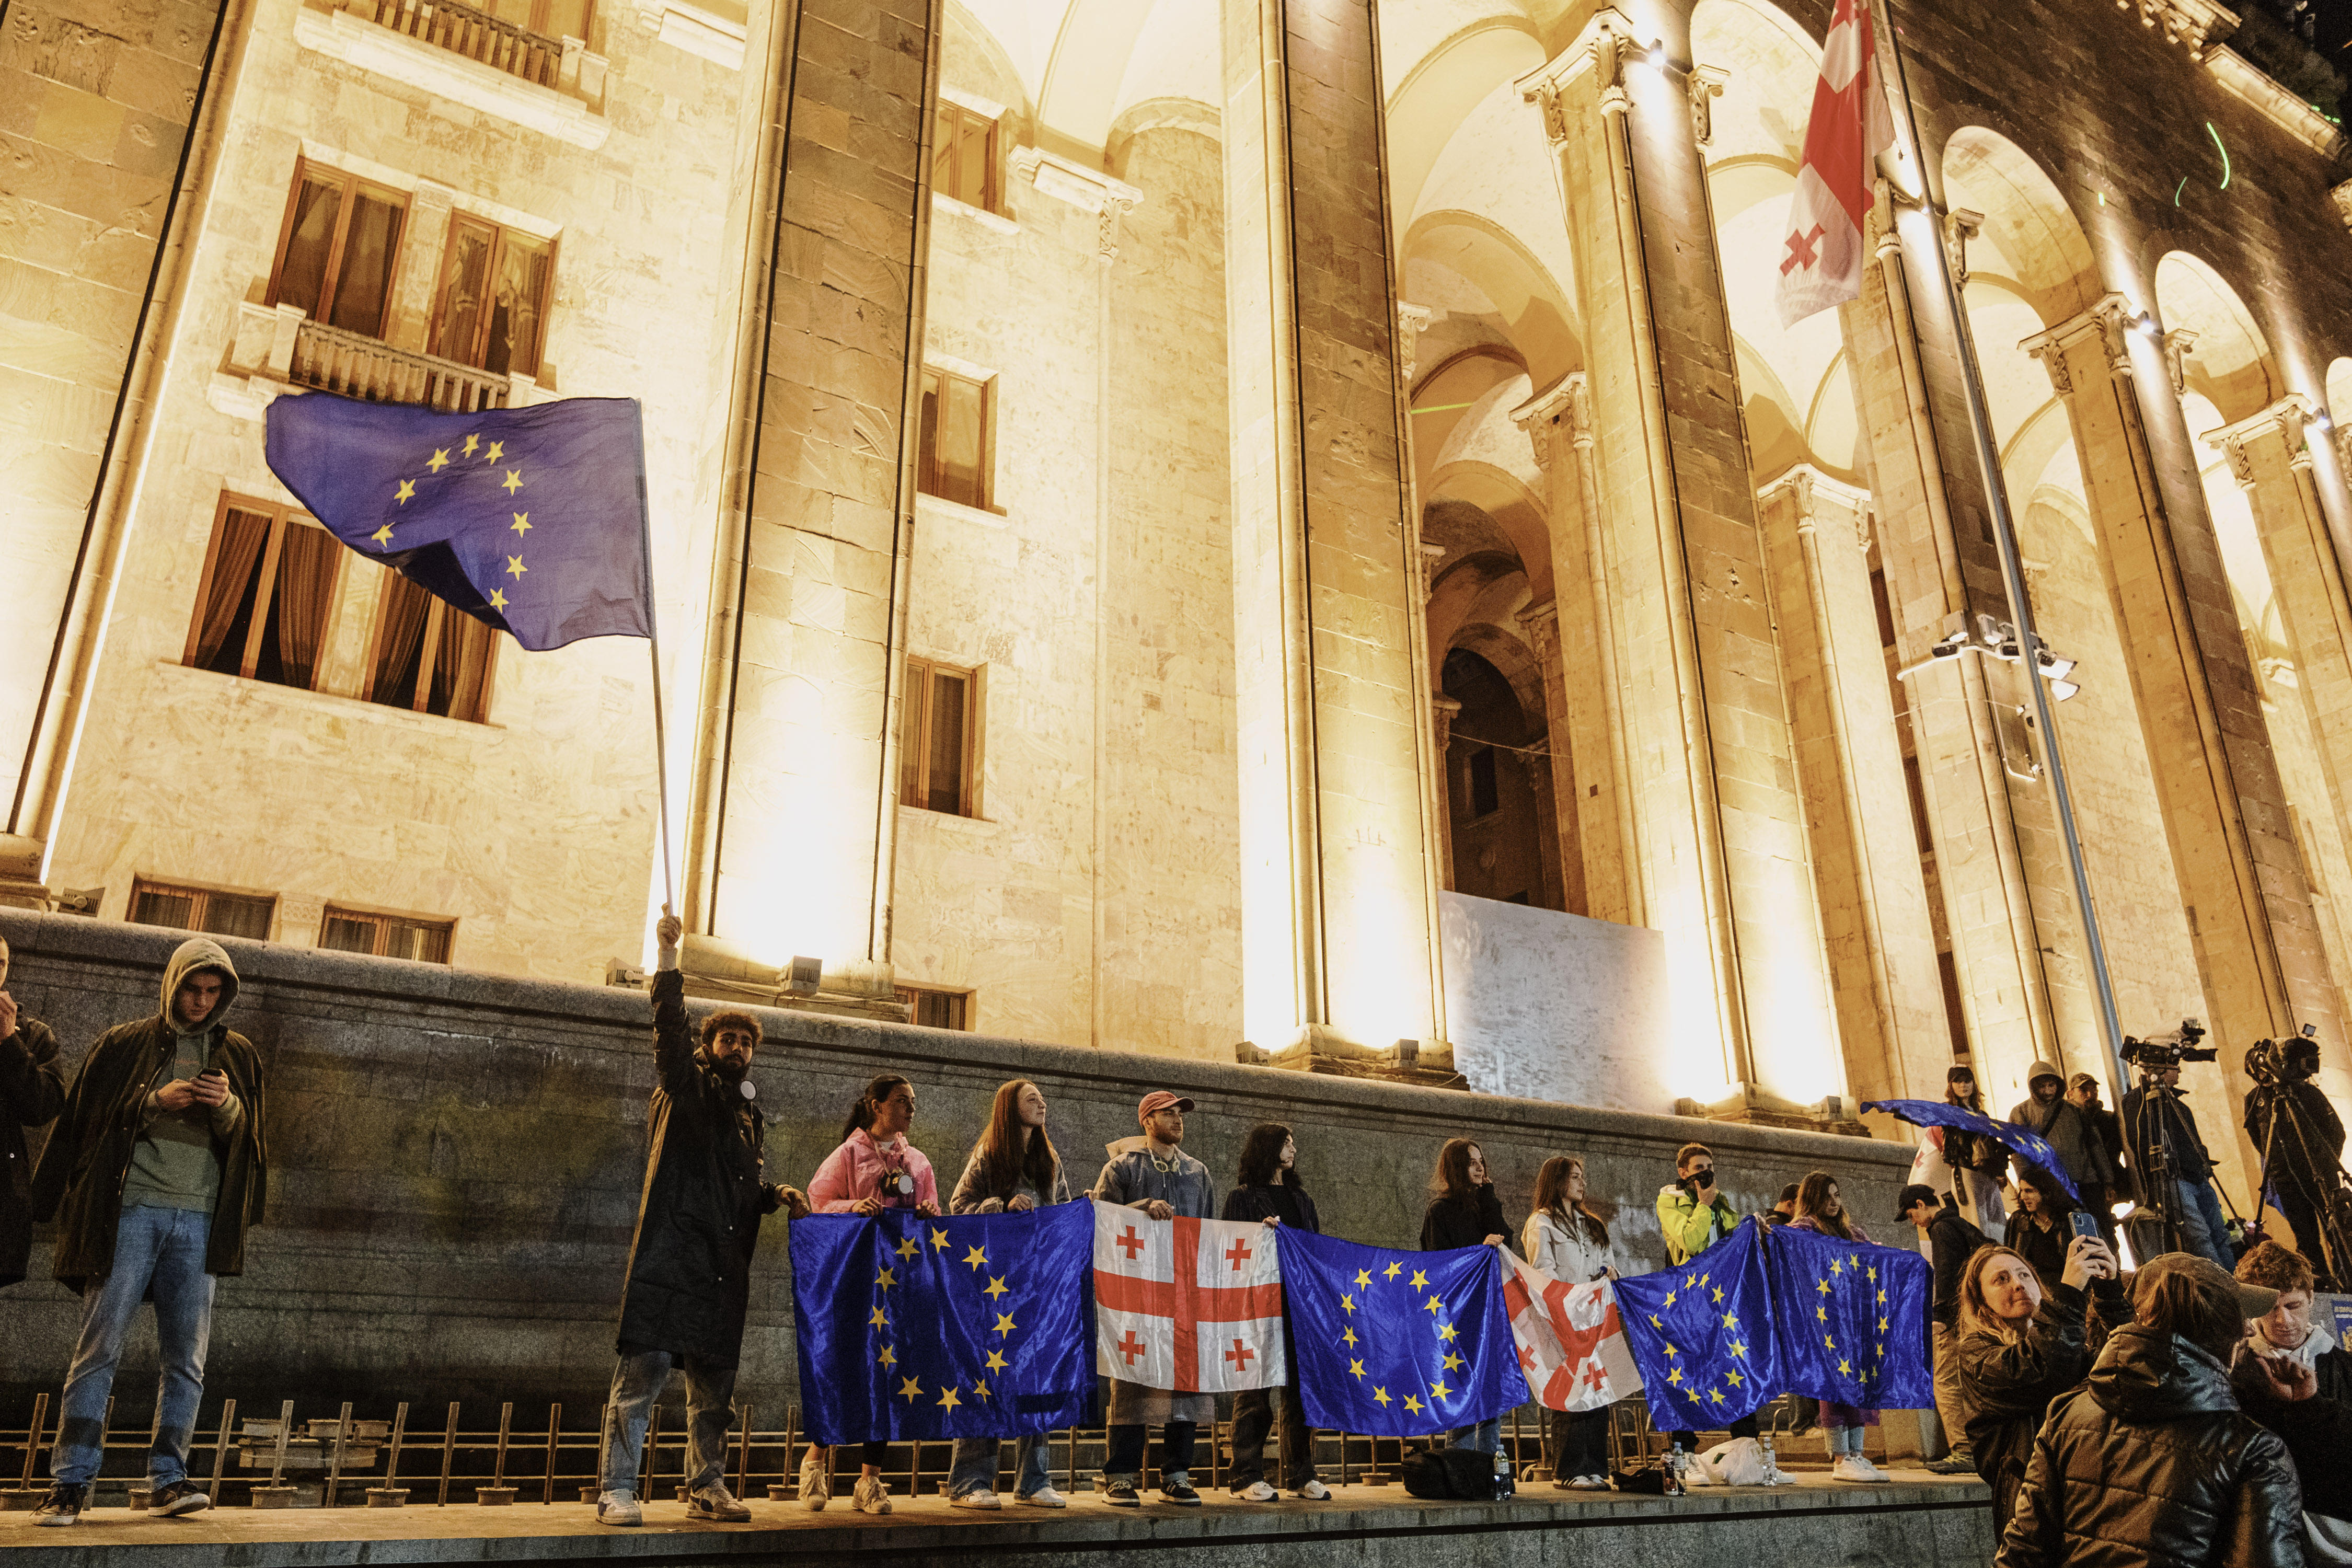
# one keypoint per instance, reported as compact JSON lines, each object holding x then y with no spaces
{"x":1179,"y":1492}
{"x":62,"y":1506}
{"x":1118,"y":1494}
{"x":180,"y":1497}
{"x":1952,"y":1465}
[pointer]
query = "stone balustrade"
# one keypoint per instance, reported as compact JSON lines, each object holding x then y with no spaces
{"x":469,"y":31}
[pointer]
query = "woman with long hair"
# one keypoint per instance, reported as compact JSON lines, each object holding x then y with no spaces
{"x":2038,"y":1228}
{"x":1013,"y":1170}
{"x":1268,"y":1189}
{"x":875,"y":1168}
{"x":1566,"y":1239}
{"x":1978,"y":1163}
{"x":1463,"y":1212}
{"x":1822,"y":1210}
{"x":2022,"y":1345}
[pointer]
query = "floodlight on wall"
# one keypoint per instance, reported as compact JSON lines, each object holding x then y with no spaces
{"x":1657,"y":56}
{"x":2057,"y":667}
{"x":2146,"y":324}
{"x":1998,"y":639}
{"x":803,"y":974}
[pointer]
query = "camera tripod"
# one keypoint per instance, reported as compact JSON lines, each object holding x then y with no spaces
{"x":2151,"y":1154}
{"x":2329,"y":1198}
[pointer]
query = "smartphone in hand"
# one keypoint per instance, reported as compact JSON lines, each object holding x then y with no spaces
{"x":2085,"y":1223}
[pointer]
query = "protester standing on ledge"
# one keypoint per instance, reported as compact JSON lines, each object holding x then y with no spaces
{"x":2021,"y":1346}
{"x":1152,"y":1171}
{"x":2305,"y":1395}
{"x":32,"y":1092}
{"x":1784,"y":1207}
{"x":875,"y":1168}
{"x":2062,"y":1125}
{"x":1463,"y":1212}
{"x":1950,"y":1241}
{"x":1568,"y":1241}
{"x":689,"y":1280}
{"x":155,"y":1170}
{"x":1978,"y":1162}
{"x":1821,"y":1210}
{"x":2151,"y":1462}
{"x":1693,"y":1215}
{"x":1268,"y":1190}
{"x":1013,"y":1170}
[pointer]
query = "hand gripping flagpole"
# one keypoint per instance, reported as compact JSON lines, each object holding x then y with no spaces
{"x":2013,"y":574}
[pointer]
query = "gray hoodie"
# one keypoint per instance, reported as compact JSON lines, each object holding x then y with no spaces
{"x":175,"y":1164}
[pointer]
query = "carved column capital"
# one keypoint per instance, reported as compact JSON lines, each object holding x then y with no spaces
{"x":1442,"y":710}
{"x":2287,"y":420}
{"x":1580,"y":409}
{"x":1601,"y":48}
{"x":1540,"y":622}
{"x":1089,"y":190}
{"x":1961,"y":225}
{"x":1412,"y":322}
{"x":1426,"y":558}
{"x":1541,"y":416}
{"x":1807,"y":488}
{"x":2177,"y":341}
{"x":1706,"y":84}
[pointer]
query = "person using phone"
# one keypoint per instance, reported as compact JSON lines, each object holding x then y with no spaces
{"x":876,"y":1167}
{"x":154,"y":1174}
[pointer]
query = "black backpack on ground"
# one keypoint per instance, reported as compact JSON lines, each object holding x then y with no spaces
{"x":1462,"y":1474}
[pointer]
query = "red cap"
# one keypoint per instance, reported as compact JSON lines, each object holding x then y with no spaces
{"x":1160,"y":1099}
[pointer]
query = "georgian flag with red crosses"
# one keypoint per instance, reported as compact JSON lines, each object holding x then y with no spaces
{"x":1820,"y":257}
{"x":1190,"y":1305}
{"x":1571,"y":1341}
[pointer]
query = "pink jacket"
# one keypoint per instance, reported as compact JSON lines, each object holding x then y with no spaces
{"x":856,"y":1170}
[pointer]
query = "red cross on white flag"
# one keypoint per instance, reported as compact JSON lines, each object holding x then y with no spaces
{"x":1572,"y":1343}
{"x":1193,"y":1305}
{"x":1820,"y":257}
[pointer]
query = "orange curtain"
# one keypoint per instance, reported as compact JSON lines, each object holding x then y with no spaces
{"x":306,"y":587}
{"x":241,"y":536}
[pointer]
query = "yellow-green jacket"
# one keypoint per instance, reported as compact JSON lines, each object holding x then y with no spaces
{"x":1689,"y":1229}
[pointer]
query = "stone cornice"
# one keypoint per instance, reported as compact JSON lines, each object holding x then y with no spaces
{"x":1090,"y":189}
{"x":2282,"y":108}
{"x":2195,"y":24}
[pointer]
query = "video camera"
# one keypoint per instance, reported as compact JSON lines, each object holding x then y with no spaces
{"x":2169,"y":1050}
{"x":2289,"y":1060}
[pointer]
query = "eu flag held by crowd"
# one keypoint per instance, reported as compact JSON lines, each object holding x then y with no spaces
{"x":1397,"y":1343}
{"x":1702,"y":1334}
{"x":529,"y":519}
{"x":1852,"y":1321}
{"x":2024,"y":1141}
{"x":971,"y":1326}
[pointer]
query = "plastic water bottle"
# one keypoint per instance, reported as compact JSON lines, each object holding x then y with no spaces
{"x":1675,"y":1463}
{"x":1771,"y":1459}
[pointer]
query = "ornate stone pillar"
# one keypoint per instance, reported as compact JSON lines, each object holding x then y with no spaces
{"x":1339,"y":928}
{"x":1556,"y":779}
{"x":1719,"y":822}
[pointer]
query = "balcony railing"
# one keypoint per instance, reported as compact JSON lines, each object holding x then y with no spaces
{"x":464,"y":31}
{"x":332,"y":360}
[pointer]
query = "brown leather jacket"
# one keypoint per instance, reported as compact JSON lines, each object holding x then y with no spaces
{"x":2150,"y":1464}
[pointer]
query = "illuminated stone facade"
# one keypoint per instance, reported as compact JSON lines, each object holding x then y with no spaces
{"x":1277,"y":467}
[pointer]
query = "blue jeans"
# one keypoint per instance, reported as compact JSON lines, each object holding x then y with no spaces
{"x":2203,"y":1231}
{"x":1486,"y":1436}
{"x":973,"y":1467}
{"x":638,"y":1379}
{"x":157,"y":1249}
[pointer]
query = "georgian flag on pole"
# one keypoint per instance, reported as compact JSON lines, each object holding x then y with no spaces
{"x":1192,"y":1305}
{"x":1571,"y":1342}
{"x":1821,"y":261}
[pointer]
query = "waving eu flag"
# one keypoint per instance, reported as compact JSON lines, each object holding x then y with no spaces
{"x":1852,"y":1321}
{"x":1702,"y":1334}
{"x":1395,"y":1343}
{"x":529,"y":519}
{"x":971,"y":1326}
{"x":2024,"y":1140}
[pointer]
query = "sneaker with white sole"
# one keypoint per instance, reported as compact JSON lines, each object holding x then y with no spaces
{"x":179,"y":1497}
{"x":1119,"y":1493}
{"x":816,"y":1478}
{"x":715,"y":1503}
{"x":619,"y":1507}
{"x":1255,"y":1491}
{"x":872,"y":1495}
{"x":1590,"y":1483}
{"x":983,"y":1499}
{"x":1870,"y":1466}
{"x":63,"y":1506}
{"x":1313,"y":1492}
{"x":1853,"y":1468}
{"x":1043,"y":1497}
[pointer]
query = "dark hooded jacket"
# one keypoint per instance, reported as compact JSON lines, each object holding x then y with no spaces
{"x":2006,"y":1386}
{"x":2062,"y":1124}
{"x":32,"y":1092}
{"x":79,"y":1180}
{"x":690,"y":1283}
{"x":2150,"y":1464}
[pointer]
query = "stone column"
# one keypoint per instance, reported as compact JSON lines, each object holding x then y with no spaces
{"x":1557,"y":777}
{"x":795,"y":796}
{"x":1338,"y":929}
{"x":1584,"y":663}
{"x":2217,"y":782}
{"x":1873,"y":897}
{"x":1443,"y":711}
{"x":1719,"y":822}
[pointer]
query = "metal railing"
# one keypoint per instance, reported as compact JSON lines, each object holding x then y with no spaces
{"x":465,"y":30}
{"x":332,"y":360}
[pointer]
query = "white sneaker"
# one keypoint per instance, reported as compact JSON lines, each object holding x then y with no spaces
{"x":619,"y":1507}
{"x":973,"y":1499}
{"x":872,"y":1495}
{"x":1590,"y":1483}
{"x":1871,"y":1470}
{"x":1256,"y":1491}
{"x":1043,"y":1497}
{"x":816,"y":1478}
{"x":1313,"y":1492}
{"x":1853,"y":1468}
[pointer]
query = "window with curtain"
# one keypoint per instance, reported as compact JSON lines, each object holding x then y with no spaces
{"x":548,"y":18}
{"x":387,"y":936}
{"x":336,"y":253}
{"x":266,"y":591}
{"x":938,"y":1009}
{"x":201,"y":908}
{"x":427,"y":658}
{"x":939,"y":738}
{"x":488,"y":308}
{"x":963,"y":164}
{"x":952,"y":456}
